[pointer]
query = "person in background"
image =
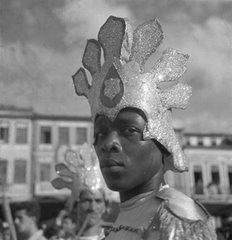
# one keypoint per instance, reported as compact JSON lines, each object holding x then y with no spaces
{"x":87,"y":200}
{"x":89,"y":212}
{"x":133,"y":135}
{"x":52,"y":225}
{"x":6,"y":233}
{"x":26,"y":221}
{"x":53,"y":232}
{"x":68,"y":227}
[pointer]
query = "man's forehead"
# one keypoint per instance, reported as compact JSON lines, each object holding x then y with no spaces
{"x":21,"y":212}
{"x":95,"y":194}
{"x":126,"y":114}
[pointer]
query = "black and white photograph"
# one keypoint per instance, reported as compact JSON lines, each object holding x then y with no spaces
{"x":115,"y":119}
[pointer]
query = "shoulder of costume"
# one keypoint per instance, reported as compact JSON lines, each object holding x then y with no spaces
{"x":182,"y":206}
{"x":181,"y":217}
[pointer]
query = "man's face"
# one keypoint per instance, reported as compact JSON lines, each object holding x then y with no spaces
{"x":23,"y":222}
{"x":126,"y":160}
{"x":92,"y":203}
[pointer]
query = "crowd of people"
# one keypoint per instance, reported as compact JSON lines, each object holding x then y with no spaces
{"x":83,"y":222}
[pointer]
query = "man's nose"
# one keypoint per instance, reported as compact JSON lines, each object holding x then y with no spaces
{"x":112,"y":143}
{"x":92,"y":206}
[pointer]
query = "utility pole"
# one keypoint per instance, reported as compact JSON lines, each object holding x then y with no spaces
{"x":7,"y":210}
{"x":6,"y":205}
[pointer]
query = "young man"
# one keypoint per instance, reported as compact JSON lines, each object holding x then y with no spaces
{"x":26,"y":218}
{"x":133,"y":134}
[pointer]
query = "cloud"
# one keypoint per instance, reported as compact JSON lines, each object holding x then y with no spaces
{"x":209,"y":1}
{"x":29,"y":18}
{"x":35,"y":73}
{"x":205,"y":123}
{"x":83,"y":18}
{"x":35,"y":76}
{"x":210,"y":47}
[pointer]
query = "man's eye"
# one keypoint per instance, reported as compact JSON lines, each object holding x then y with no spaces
{"x":99,"y":200}
{"x":86,"y":201}
{"x":98,"y":135}
{"x":131,"y":131}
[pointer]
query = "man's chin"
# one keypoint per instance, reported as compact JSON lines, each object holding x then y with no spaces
{"x":93,"y":221}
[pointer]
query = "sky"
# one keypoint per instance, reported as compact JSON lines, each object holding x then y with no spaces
{"x":42,"y":43}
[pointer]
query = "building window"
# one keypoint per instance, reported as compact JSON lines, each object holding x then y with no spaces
{"x":63,"y":135}
{"x":214,"y":186}
{"x":215,"y":174}
{"x":187,"y":142}
{"x":21,"y":134}
{"x":3,"y":171}
{"x":81,"y":135}
{"x":198,"y":179}
{"x":230,"y":178}
{"x":213,"y":142}
{"x":46,"y":135}
{"x":200,"y":141}
{"x":4,"y":134}
{"x":20,"y":171}
{"x":45,"y":170}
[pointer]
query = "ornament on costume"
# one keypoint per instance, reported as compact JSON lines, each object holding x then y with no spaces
{"x":79,"y":171}
{"x":122,"y":81}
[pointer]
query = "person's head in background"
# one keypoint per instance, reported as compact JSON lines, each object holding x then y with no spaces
{"x":90,"y":208}
{"x":68,"y":225}
{"x":26,"y":218}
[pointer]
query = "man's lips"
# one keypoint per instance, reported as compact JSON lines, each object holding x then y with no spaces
{"x":109,"y":162}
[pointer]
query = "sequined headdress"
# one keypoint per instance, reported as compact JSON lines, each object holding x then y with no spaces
{"x":80,"y":170}
{"x":122,"y":80}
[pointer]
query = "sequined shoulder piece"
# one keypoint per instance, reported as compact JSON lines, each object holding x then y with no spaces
{"x":176,"y":222}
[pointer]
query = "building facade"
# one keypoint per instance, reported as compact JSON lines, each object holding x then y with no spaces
{"x":52,"y":137}
{"x":31,"y":144}
{"x":15,"y":153}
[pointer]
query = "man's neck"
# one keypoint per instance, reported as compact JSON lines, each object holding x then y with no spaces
{"x":153,"y":184}
{"x":32,"y":231}
{"x":93,"y":231}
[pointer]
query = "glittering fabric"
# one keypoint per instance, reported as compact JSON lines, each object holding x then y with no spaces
{"x":79,"y":170}
{"x":177,"y":217}
{"x":127,"y":51}
{"x":112,"y":88}
{"x":174,"y":228}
